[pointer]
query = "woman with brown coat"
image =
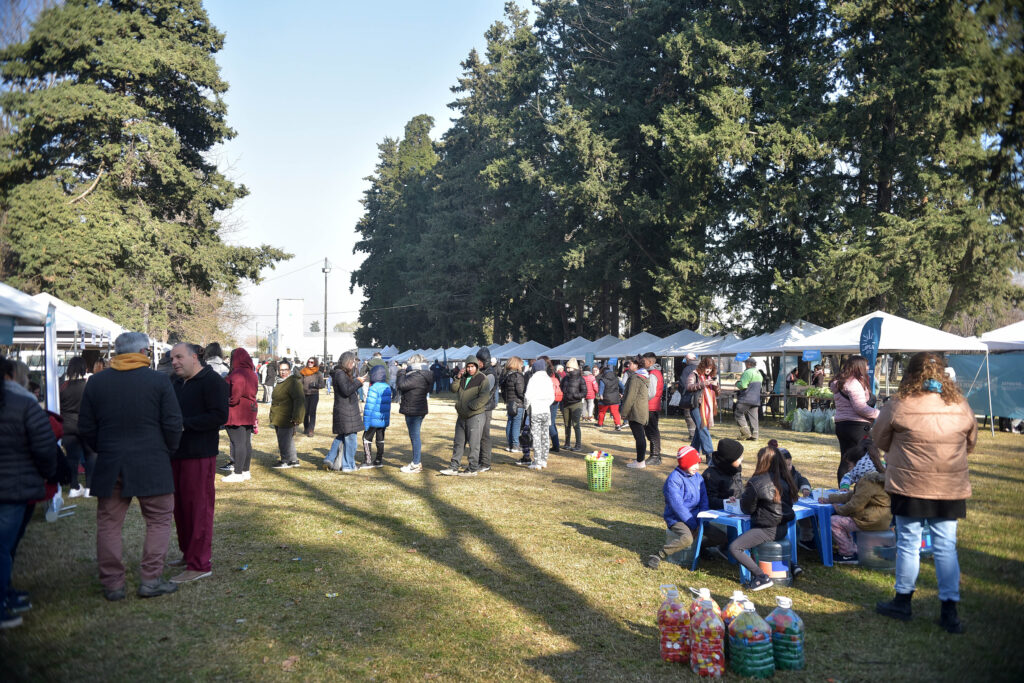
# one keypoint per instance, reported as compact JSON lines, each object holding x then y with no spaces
{"x":927,"y":432}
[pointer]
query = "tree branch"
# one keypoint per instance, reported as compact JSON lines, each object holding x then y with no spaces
{"x":90,"y":188}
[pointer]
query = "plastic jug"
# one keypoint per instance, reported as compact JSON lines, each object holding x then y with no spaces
{"x":707,"y":648}
{"x":787,"y":635}
{"x":750,"y":645}
{"x":674,"y":624}
{"x":732,"y":609}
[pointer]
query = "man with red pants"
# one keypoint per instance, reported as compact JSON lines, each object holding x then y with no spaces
{"x":203,"y":398}
{"x":655,"y":390}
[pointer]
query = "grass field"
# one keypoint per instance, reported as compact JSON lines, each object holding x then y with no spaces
{"x":513,"y":574}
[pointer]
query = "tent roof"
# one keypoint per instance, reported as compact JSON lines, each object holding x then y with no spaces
{"x":772,"y":342}
{"x":76,"y":318}
{"x":526,"y":351}
{"x":672,"y":345}
{"x":899,"y":335}
{"x":17,"y":304}
{"x":638,"y":343}
{"x":1009,"y":338}
{"x":709,"y":346}
{"x":563,"y":350}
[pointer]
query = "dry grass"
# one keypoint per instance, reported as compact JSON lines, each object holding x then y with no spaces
{"x":510,"y":575}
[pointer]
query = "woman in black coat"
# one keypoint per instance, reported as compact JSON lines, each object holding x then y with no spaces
{"x":348,"y":419}
{"x":71,"y":391}
{"x":513,"y":391}
{"x":415,"y":382}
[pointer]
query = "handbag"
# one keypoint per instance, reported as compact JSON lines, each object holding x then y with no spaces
{"x":525,"y":435}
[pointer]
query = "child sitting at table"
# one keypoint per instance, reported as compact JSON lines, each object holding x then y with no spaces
{"x":685,"y":498}
{"x":768,"y":499}
{"x":805,"y":527}
{"x":864,"y":508}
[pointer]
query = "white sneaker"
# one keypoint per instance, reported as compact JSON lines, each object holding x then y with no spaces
{"x":636,"y":465}
{"x":78,"y":493}
{"x":247,"y":475}
{"x":536,"y":466}
{"x":236,"y":477}
{"x":411,"y":468}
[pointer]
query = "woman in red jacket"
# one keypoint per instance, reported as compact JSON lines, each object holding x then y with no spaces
{"x":242,"y":410}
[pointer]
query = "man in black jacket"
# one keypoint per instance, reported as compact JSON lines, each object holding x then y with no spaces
{"x":131,"y":419}
{"x":203,"y":397}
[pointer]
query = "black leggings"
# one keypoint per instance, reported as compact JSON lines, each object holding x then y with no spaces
{"x":653,"y":433}
{"x":850,"y":434}
{"x":640,"y":438}
{"x":309,"y":422}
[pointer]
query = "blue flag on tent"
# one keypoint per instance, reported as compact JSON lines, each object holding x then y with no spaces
{"x":870,"y":336}
{"x":742,"y":356}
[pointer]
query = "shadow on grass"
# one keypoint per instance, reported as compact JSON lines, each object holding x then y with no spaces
{"x":533,"y":588}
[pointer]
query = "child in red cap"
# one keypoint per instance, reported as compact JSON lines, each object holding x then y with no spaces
{"x":685,"y":498}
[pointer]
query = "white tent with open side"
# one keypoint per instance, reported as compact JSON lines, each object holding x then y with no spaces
{"x":1009,"y":338}
{"x":898,"y":335}
{"x":673,"y":345}
{"x":771,"y":343}
{"x":564,"y":351}
{"x":638,"y":343}
{"x":526,"y":351}
{"x":579,"y":351}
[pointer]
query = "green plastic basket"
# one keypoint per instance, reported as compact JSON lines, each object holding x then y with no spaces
{"x":599,"y":474}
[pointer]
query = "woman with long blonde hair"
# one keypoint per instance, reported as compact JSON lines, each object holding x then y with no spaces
{"x":927,"y":432}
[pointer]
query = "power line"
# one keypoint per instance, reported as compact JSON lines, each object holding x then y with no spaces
{"x":297,"y":270}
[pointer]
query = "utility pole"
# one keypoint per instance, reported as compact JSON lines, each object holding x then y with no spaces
{"x":326,"y":270}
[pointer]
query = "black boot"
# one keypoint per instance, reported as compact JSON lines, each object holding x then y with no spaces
{"x":948,"y":619}
{"x":897,"y":608}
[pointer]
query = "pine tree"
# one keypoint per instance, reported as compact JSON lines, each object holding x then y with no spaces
{"x":108,"y":198}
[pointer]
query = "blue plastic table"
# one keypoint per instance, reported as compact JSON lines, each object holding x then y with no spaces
{"x":822,"y":513}
{"x":736,"y":524}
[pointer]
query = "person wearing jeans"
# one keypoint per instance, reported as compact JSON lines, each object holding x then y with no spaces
{"x":414,"y":382}
{"x":927,"y":431}
{"x":347,"y":419}
{"x":28,"y":457}
{"x":703,"y":378}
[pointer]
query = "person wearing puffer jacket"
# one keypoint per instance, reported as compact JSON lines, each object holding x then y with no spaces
{"x":28,"y":457}
{"x":864,"y":508}
{"x":414,"y":382}
{"x":213,"y":357}
{"x":376,"y":415}
{"x":588,"y":401}
{"x":767,"y":498}
{"x":686,"y":496}
{"x":540,"y":395}
{"x":513,"y":390}
{"x":608,"y":397}
{"x":574,"y":390}
{"x":347,"y":420}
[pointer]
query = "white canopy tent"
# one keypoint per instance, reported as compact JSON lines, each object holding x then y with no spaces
{"x":526,"y":351}
{"x":1009,"y":338}
{"x":19,"y":308}
{"x":564,"y":351}
{"x":675,"y":345}
{"x":898,"y":335}
{"x":771,"y":343}
{"x":581,"y":350}
{"x":638,"y":343}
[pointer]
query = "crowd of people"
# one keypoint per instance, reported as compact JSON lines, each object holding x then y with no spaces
{"x":154,"y":435}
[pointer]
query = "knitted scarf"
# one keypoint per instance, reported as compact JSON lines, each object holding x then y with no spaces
{"x":129,"y":361}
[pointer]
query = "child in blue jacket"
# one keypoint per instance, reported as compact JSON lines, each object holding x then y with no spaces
{"x":685,"y":497}
{"x":376,"y":415}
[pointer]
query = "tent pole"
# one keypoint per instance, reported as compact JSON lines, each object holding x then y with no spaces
{"x":988,"y":378}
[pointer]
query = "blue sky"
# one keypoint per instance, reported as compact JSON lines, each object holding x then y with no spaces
{"x":315,"y":86}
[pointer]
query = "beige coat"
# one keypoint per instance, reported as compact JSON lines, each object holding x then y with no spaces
{"x":926,"y":443}
{"x":867,"y":503}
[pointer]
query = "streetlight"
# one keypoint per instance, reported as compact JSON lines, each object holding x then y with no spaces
{"x":326,"y":269}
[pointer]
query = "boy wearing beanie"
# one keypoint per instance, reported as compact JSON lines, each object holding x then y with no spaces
{"x":685,"y":497}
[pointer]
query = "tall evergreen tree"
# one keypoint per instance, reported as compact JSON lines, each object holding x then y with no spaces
{"x":108,"y":198}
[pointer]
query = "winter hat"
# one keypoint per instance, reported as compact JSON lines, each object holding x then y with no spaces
{"x":863,"y":466}
{"x":572,"y":364}
{"x":473,"y":360}
{"x":539,"y":366}
{"x":484,"y":355}
{"x":687,"y":457}
{"x":729,"y":450}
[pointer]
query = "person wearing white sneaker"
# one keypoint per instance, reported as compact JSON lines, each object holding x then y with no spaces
{"x":414,"y":382}
{"x":540,"y":394}
{"x":242,"y":412}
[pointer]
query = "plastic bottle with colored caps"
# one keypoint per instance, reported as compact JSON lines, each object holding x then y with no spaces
{"x":750,"y":645}
{"x":707,"y":648}
{"x":673,"y":624}
{"x":787,"y":635}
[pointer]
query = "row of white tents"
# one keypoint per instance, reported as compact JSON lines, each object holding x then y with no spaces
{"x":898,"y":335}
